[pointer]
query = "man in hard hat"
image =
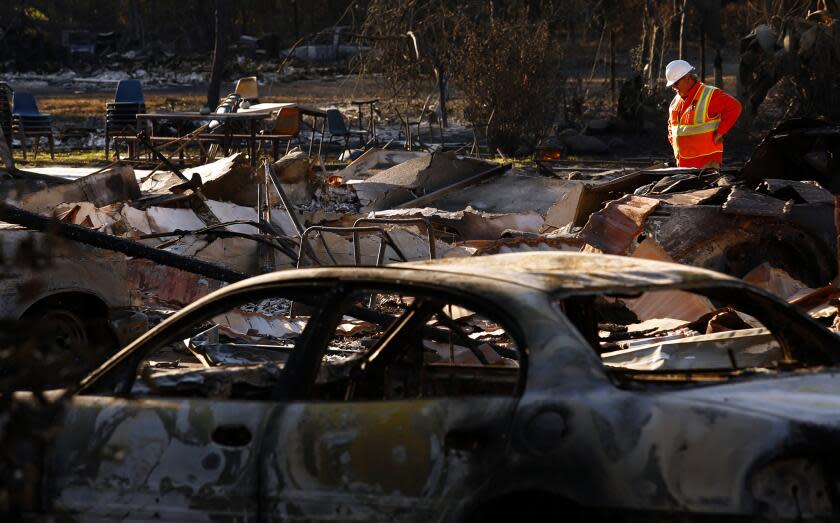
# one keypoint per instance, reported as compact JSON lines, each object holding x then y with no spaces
{"x":700,"y":116}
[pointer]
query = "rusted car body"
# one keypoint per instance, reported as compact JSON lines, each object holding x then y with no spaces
{"x":558,"y":433}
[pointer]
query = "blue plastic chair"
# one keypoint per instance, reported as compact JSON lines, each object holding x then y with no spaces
{"x":337,"y":127}
{"x":28,"y":121}
{"x":121,"y":114}
{"x":129,"y":91}
{"x":25,"y":106}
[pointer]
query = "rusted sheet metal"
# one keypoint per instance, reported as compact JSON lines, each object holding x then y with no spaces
{"x":776,"y":281}
{"x":701,"y":197}
{"x":801,"y":242}
{"x":162,"y":285}
{"x":670,"y":304}
{"x":801,"y":192}
{"x":817,"y":297}
{"x":798,"y":149}
{"x":613,"y":230}
{"x":11,"y":214}
{"x":595,"y":193}
{"x":750,"y":203}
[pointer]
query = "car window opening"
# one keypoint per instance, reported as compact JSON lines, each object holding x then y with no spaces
{"x":384,"y":345}
{"x":677,"y":335}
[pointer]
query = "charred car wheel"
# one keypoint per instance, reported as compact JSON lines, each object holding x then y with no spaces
{"x":70,"y":333}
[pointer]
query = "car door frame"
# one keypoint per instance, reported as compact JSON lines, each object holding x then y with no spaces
{"x":125,"y":429}
{"x":346,"y":423}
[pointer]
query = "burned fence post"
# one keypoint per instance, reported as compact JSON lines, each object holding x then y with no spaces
{"x":220,"y":41}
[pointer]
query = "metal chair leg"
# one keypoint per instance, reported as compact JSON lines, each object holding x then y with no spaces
{"x":22,"y":138}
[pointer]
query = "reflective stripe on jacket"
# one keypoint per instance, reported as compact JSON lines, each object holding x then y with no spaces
{"x":692,"y":132}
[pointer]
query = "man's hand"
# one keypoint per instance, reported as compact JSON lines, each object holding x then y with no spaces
{"x":717,"y":138}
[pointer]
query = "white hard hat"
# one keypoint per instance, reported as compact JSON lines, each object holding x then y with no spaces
{"x":676,"y":70}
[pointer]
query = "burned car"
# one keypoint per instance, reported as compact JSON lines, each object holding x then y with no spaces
{"x":467,"y":389}
{"x":72,"y":299}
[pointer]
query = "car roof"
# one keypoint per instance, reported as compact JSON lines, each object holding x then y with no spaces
{"x":571,"y":271}
{"x":553,"y":272}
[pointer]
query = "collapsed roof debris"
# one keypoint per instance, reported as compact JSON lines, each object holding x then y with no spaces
{"x":116,"y":184}
{"x":415,"y":178}
{"x":225,"y":220}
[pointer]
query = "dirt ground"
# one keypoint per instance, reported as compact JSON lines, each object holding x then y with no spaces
{"x":321,"y":92}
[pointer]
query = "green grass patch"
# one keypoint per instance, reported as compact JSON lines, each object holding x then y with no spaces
{"x":74,"y":158}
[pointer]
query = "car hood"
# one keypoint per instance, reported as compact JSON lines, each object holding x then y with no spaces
{"x":808,"y":398}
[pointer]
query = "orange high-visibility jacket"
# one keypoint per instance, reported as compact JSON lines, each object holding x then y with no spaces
{"x":693,"y":121}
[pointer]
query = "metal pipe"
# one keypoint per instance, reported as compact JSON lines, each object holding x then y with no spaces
{"x":430,"y":232}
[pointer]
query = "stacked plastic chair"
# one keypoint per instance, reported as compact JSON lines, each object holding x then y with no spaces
{"x":29,"y":122}
{"x":121,"y":114}
{"x":6,"y":112}
{"x":248,"y":89}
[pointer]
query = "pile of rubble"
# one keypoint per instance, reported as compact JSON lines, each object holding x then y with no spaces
{"x":187,"y":232}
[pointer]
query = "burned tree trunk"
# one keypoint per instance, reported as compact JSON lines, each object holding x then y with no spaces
{"x":219,"y":48}
{"x":657,"y":32}
{"x":135,"y":19}
{"x":681,"y":50}
{"x":440,"y":75}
